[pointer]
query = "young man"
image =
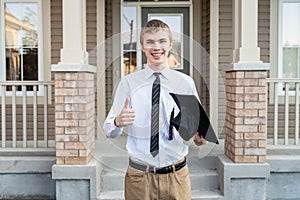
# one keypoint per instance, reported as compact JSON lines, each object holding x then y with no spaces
{"x":157,"y":166}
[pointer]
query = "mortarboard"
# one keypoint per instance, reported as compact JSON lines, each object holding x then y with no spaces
{"x":191,"y":119}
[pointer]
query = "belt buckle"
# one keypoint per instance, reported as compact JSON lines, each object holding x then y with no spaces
{"x":152,"y":170}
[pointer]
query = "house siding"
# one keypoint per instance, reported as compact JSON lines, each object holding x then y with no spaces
{"x":264,"y":29}
{"x":205,"y":43}
{"x":225,"y":51}
{"x":281,"y":119}
{"x":56,"y":45}
{"x":91,"y":31}
{"x":56,"y":30}
{"x":30,"y":123}
{"x":201,"y":36}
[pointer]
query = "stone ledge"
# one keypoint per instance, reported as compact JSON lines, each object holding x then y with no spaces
{"x":278,"y":163}
{"x":248,"y":66}
{"x":27,"y":164}
{"x":75,"y":171}
{"x":243,"y":170}
{"x":73,"y":67}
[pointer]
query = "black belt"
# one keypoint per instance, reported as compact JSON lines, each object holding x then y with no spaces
{"x":154,"y":170}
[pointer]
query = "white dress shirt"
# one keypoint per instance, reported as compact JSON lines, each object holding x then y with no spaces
{"x":138,"y":87}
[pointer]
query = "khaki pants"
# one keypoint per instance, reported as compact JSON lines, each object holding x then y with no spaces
{"x":147,"y":186}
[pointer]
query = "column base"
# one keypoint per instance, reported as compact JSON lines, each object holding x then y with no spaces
{"x":77,"y":182}
{"x":242,"y":180}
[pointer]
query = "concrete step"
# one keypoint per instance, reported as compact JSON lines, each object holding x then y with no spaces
{"x":208,"y":162}
{"x":196,"y":195}
{"x":205,"y":179}
{"x":112,"y":180}
{"x":111,"y":195}
{"x":206,"y":195}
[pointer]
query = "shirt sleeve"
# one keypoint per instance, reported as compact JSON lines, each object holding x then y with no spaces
{"x":109,"y":127}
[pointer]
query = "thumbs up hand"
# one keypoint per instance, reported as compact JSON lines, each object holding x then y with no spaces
{"x":126,"y":117}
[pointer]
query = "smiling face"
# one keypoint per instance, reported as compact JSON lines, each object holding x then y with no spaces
{"x":156,"y":46}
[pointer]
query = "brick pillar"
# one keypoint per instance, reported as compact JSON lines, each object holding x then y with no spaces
{"x":74,"y":115}
{"x":245,"y":137}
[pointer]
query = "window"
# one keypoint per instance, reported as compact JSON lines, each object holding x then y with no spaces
{"x":21,"y":39}
{"x":289,"y":39}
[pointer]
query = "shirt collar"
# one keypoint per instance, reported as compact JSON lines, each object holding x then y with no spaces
{"x":165,"y":72}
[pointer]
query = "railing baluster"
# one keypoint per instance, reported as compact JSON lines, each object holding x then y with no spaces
{"x":275,"y":113}
{"x":46,"y":115}
{"x":297,"y":114}
{"x":286,"y":114}
{"x":24,"y":89}
{"x":14,"y":118}
{"x":35,"y":145}
{"x":18,"y":95}
{"x":3,"y":112}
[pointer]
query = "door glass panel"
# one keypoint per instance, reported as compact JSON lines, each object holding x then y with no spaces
{"x":129,"y":35}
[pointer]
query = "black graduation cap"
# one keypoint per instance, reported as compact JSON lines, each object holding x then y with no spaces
{"x":191,"y":119}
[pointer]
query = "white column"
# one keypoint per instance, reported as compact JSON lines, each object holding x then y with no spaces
{"x":74,"y":32}
{"x":245,"y":23}
{"x":100,"y":66}
{"x":214,"y":63}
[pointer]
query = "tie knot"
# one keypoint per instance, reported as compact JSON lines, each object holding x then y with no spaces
{"x":157,"y":79}
{"x":156,"y":74}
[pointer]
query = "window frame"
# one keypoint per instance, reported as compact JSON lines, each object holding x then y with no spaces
{"x":281,"y":91}
{"x":40,"y":46}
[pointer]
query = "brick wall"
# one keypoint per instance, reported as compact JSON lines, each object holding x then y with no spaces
{"x":245,"y":137}
{"x":75,"y":117}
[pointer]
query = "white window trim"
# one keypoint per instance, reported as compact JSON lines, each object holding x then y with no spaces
{"x":281,"y":92}
{"x":44,"y":39}
{"x":274,"y":51}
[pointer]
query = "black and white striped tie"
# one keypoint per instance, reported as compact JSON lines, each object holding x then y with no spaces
{"x":154,"y":144}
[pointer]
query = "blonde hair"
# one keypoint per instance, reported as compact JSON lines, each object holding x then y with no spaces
{"x":153,"y":26}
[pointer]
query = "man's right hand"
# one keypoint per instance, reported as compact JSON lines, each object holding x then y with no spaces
{"x":126,"y":117}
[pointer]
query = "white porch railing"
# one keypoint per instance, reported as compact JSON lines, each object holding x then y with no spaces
{"x":10,"y":97}
{"x":284,"y":96}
